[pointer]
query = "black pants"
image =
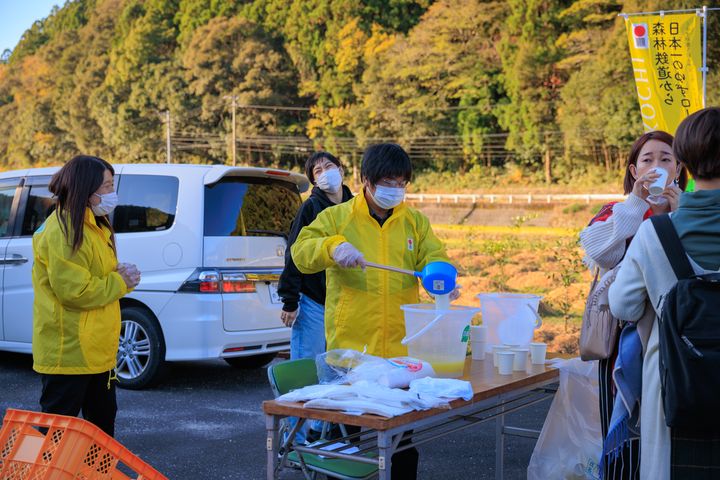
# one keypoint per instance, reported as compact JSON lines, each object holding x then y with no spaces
{"x":71,"y":394}
{"x":404,"y":464}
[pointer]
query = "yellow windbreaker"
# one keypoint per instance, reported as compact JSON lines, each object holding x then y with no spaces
{"x":76,"y":313}
{"x":363,"y":308}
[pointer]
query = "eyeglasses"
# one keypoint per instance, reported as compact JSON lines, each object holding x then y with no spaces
{"x":384,"y":182}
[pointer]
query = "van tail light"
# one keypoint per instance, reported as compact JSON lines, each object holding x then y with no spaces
{"x":215,"y":281}
{"x":209,"y":281}
{"x":277,"y":173}
{"x":237,"y":283}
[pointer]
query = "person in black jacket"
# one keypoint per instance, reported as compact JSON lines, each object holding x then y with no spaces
{"x":303,"y":296}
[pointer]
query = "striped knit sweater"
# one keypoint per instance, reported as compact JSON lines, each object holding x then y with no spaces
{"x":607,"y":236}
{"x":606,"y":239}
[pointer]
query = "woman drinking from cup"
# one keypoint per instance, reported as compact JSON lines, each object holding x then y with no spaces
{"x":605,"y":241}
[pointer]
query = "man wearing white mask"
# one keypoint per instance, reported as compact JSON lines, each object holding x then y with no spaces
{"x":303,"y":295}
{"x":362,"y":309}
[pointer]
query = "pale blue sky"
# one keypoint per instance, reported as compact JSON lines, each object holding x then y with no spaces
{"x":16,"y":16}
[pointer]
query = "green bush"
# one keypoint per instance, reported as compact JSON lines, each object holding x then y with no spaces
{"x":574,"y":208}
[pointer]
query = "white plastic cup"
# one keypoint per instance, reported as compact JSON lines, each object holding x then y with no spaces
{"x":505,"y":362}
{"x":478,"y":350}
{"x":538,"y":350}
{"x":520,"y":361}
{"x":478,"y":333}
{"x":658,"y":186}
{"x":495,"y":350}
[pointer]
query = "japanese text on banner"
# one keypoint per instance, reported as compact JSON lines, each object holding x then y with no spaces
{"x":666,"y":59}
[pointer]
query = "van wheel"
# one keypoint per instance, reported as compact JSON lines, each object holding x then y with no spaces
{"x":141,"y":353}
{"x":248,"y":363}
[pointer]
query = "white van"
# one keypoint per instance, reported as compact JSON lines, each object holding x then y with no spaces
{"x":210,"y":242}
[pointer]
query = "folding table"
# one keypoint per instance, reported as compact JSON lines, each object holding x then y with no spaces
{"x":494,"y":397}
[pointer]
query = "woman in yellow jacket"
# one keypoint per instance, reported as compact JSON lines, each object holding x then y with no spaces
{"x":362,"y":307}
{"x":78,"y":284}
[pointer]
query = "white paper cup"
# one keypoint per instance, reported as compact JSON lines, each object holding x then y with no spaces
{"x":658,"y":186}
{"x":478,"y":350}
{"x":520,"y":361}
{"x":495,"y":350}
{"x":538,"y":351}
{"x":478,"y":333}
{"x":505,"y":362}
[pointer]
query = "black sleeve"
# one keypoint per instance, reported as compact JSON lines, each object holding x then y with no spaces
{"x":291,"y":278}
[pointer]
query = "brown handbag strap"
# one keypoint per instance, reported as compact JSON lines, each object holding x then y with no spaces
{"x":595,"y":279}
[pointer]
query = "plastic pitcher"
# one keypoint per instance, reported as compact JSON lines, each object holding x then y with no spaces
{"x":511,"y":318}
{"x":444,"y":344}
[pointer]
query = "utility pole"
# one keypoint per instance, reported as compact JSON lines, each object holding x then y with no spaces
{"x":168,"y":144}
{"x":234,"y":128}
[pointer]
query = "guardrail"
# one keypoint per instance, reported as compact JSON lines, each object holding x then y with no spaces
{"x":511,"y":198}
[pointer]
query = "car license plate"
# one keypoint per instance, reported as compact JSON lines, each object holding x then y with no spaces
{"x":274,"y":297}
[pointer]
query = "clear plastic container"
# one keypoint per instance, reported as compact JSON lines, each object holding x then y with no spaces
{"x":511,"y":318}
{"x":444,"y":344}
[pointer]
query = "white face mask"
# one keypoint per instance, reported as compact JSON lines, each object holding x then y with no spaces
{"x":329,"y":180}
{"x":388,"y":197}
{"x":107,"y":204}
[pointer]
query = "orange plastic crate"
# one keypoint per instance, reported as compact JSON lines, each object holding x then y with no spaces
{"x":72,"y":448}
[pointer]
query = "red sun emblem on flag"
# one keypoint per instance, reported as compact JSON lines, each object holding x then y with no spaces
{"x":640,"y":35}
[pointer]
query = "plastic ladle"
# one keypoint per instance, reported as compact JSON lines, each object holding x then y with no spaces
{"x":438,"y":278}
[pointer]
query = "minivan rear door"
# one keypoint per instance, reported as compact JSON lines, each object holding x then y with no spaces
{"x":246,"y":223}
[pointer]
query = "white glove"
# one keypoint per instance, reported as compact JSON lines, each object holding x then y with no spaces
{"x":348,"y":256}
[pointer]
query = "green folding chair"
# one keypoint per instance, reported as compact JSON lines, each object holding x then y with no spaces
{"x":291,"y":375}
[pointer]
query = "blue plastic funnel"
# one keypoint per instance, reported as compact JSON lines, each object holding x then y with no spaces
{"x":438,"y":278}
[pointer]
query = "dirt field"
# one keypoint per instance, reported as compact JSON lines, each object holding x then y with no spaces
{"x":535,"y":253}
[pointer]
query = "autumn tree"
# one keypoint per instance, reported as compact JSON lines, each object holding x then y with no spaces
{"x":234,"y":57}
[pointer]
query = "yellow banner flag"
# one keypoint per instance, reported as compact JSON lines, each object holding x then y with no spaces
{"x":666,"y":60}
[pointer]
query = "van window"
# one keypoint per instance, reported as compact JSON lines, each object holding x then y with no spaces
{"x":246,"y":206}
{"x":7,"y":193}
{"x":40,"y":204}
{"x":146,"y":203}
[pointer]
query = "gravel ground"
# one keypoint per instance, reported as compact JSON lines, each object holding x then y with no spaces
{"x":205,"y":421}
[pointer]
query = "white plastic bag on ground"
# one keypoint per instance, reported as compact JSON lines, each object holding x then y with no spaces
{"x":570,"y":444}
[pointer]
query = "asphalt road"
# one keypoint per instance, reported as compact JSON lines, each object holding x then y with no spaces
{"x":204,"y":421}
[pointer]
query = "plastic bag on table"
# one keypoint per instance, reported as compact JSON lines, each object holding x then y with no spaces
{"x":570,"y":444}
{"x":440,"y":390}
{"x":333,"y":366}
{"x":350,"y":366}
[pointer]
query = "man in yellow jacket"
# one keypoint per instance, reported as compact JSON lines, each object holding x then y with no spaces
{"x":362,"y":307}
